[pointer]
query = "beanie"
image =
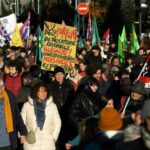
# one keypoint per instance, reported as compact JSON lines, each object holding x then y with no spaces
{"x":109,"y":119}
{"x":59,"y":69}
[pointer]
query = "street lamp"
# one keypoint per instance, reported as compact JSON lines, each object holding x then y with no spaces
{"x":141,"y":5}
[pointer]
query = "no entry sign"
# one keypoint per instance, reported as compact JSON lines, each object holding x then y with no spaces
{"x":82,"y":8}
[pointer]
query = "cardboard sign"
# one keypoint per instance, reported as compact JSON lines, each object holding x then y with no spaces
{"x":59,"y":47}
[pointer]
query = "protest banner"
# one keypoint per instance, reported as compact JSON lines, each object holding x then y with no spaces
{"x":59,"y":47}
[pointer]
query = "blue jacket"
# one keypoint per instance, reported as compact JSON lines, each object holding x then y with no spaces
{"x":17,"y":121}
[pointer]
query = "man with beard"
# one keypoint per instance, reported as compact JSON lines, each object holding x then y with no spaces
{"x":13,"y":79}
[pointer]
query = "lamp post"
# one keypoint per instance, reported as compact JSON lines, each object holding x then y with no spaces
{"x":140,"y":19}
{"x":140,"y":6}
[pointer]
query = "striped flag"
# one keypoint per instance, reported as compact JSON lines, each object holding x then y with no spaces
{"x":25,"y":29}
{"x":146,"y":67}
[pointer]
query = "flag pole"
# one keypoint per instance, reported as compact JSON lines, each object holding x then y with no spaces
{"x":147,"y":59}
{"x":124,"y":109}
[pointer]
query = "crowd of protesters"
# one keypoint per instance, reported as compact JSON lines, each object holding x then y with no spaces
{"x":102,"y":105}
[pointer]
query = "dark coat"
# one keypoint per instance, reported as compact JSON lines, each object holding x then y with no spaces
{"x":62,"y":94}
{"x":103,"y":142}
{"x":137,"y":144}
{"x":17,"y":121}
{"x":83,"y":106}
{"x":94,"y":61}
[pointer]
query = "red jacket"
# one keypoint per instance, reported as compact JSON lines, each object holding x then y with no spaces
{"x":13,"y":83}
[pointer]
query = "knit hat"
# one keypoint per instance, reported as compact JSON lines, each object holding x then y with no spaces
{"x":145,"y":112}
{"x":138,"y":87}
{"x":109,"y":119}
{"x":59,"y":69}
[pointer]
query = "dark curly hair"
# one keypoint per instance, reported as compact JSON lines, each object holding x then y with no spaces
{"x":36,"y":88}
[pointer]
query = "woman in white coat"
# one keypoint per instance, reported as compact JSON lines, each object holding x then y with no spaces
{"x":40,"y":115}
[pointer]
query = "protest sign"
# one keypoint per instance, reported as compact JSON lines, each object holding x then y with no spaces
{"x":59,"y":47}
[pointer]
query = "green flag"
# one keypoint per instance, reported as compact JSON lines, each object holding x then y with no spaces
{"x":80,"y":43}
{"x":134,"y":42}
{"x":39,"y":47}
{"x":124,"y":39}
{"x":120,"y":50}
{"x":95,"y":34}
{"x":75,"y":23}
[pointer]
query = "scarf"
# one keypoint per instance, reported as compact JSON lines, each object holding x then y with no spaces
{"x":39,"y":109}
{"x":7,"y":111}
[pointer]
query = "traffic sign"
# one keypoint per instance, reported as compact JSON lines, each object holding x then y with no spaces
{"x":82,"y":8}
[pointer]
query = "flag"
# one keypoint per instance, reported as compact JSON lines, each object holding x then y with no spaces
{"x":76,"y":4}
{"x":106,"y":36}
{"x":124,"y":39}
{"x":39,"y":47}
{"x":4,"y":34}
{"x":145,"y":71}
{"x":63,"y":23}
{"x":16,"y":39}
{"x":25,"y":29}
{"x":75,"y":22}
{"x":120,"y":50}
{"x":1,"y":41}
{"x":134,"y":42}
{"x":95,"y":34}
{"x":80,"y":43}
{"x":89,"y":29}
{"x":7,"y":26}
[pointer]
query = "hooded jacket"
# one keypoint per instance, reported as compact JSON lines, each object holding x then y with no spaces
{"x":45,"y":138}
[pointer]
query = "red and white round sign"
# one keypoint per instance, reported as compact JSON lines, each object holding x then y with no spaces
{"x":82,"y":8}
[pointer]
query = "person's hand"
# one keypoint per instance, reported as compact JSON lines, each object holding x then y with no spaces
{"x":23,"y":139}
{"x":122,"y":115}
{"x":68,"y":146}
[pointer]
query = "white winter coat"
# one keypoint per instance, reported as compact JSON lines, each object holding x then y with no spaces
{"x":45,"y":138}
